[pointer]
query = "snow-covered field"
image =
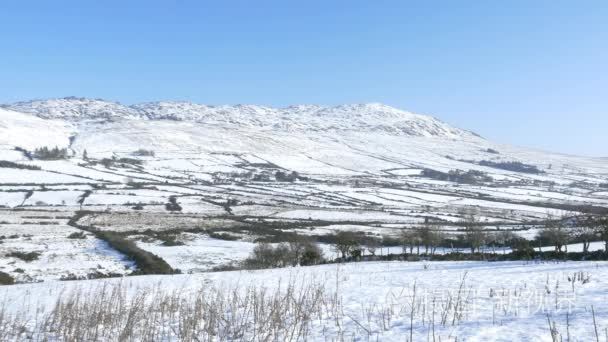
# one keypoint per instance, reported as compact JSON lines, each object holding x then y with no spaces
{"x":167,"y":177}
{"x":58,"y":257}
{"x":384,"y":301}
{"x":358,"y":168}
{"x":199,"y":252}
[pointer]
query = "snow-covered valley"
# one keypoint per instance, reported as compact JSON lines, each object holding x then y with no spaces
{"x":198,"y":186}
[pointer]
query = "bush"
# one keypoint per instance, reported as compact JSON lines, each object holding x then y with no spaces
{"x":107,"y":162}
{"x":169,"y":240}
{"x":313,"y":255}
{"x":458,"y":176}
{"x":281,"y":176}
{"x":11,"y":165}
{"x":223,"y":236}
{"x":511,"y":166}
{"x":147,"y":263}
{"x":77,"y":235}
{"x":131,"y":161}
{"x":6,"y":279}
{"x":173,"y":205}
{"x":304,"y":252}
{"x":25,"y":256}
{"x":300,"y":251}
{"x":143,"y":153}
{"x":264,"y":255}
{"x":27,"y":154}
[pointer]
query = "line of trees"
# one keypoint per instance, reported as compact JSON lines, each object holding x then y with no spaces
{"x":429,"y":236}
{"x":426,"y":238}
{"x":563,"y":230}
{"x":55,"y":153}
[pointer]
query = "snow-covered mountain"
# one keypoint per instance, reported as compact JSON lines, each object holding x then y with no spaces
{"x":373,"y":143}
{"x":312,"y":170}
{"x":73,"y":108}
{"x":358,"y":117}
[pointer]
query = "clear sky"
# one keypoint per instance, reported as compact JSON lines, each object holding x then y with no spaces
{"x":529,"y":72}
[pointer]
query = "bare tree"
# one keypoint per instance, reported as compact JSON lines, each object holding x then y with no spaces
{"x":474,"y":233}
{"x":409,"y":238}
{"x":264,"y":255}
{"x":430,"y":237}
{"x":505,"y":238}
{"x":600,"y":227}
{"x":303,"y":251}
{"x":83,"y":197}
{"x":347,"y":244}
{"x":27,"y":195}
{"x":372,"y":245}
{"x":556,"y":233}
{"x":585,"y":230}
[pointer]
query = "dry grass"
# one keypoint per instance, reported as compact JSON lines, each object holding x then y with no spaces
{"x":297,"y":310}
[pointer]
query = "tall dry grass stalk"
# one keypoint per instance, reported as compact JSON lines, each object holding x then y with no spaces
{"x":295,"y":310}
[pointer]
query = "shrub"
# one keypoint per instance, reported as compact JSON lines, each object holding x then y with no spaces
{"x":169,"y":240}
{"x":300,"y":251}
{"x":147,"y":263}
{"x":261,"y":177}
{"x":226,"y":268}
{"x":11,"y":165}
{"x":143,"y":153}
{"x":173,"y":205}
{"x":6,"y":279}
{"x":107,"y":162}
{"x":521,"y":248}
{"x":303,"y":251}
{"x":25,"y":256}
{"x":264,"y":255}
{"x":223,"y":236}
{"x":27,"y":154}
{"x":458,"y":176}
{"x":77,"y":235}
{"x":512,"y":166}
{"x":312,"y":255}
{"x":281,"y":176}
{"x":131,"y":161}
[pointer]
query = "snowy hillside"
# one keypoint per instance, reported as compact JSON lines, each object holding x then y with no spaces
{"x":245,"y":173}
{"x":18,"y":129}
{"x":93,"y":189}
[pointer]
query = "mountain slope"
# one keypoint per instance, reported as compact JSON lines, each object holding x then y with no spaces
{"x":27,"y":131}
{"x":361,"y":117}
{"x":350,"y":157}
{"x":252,"y":172}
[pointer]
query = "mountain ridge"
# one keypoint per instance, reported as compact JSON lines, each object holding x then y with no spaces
{"x":357,"y":117}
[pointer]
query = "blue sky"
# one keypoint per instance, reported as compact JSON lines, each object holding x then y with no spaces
{"x":531,"y":73}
